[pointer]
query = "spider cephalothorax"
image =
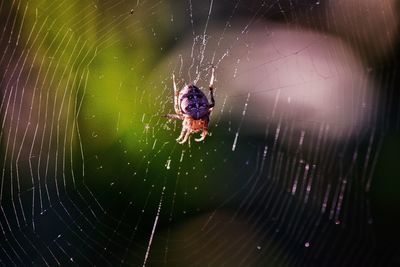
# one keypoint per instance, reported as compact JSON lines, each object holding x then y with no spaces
{"x":191,"y":105}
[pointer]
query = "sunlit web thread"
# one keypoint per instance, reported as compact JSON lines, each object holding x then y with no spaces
{"x":204,"y":41}
{"x":64,"y":94}
{"x":58,"y":125}
{"x":221,"y":113}
{"x":193,"y":34}
{"x":221,"y":37}
{"x":53,"y":110}
{"x":242,"y":33}
{"x":135,"y":228}
{"x":12,"y":100}
{"x":253,"y":178}
{"x":64,"y":142}
{"x":154,"y":228}
{"x":131,"y":238}
{"x":18,"y":121}
{"x":307,"y":179}
{"x":31,"y":110}
{"x":13,"y":91}
{"x":241,"y":122}
{"x":173,"y":203}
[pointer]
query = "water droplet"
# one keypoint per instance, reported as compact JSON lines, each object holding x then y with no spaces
{"x":167,"y":164}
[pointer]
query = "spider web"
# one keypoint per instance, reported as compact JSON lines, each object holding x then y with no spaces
{"x":291,"y":174}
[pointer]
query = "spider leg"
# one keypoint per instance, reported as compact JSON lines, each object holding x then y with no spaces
{"x":185,"y":129}
{"x":173,"y":116}
{"x":176,"y":96}
{"x":211,"y":87}
{"x":203,"y":133}
{"x":212,"y":78}
{"x":202,"y":137}
{"x":183,"y":133}
{"x":185,"y":138}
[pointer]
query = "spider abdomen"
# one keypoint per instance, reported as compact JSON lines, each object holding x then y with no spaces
{"x":193,"y":102}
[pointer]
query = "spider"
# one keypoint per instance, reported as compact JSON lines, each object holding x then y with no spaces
{"x":192,"y":107}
